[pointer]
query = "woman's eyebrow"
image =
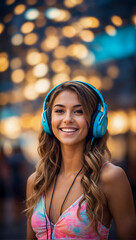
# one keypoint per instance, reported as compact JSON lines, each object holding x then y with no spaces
{"x":60,"y":105}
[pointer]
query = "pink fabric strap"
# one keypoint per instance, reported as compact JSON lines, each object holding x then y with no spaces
{"x":104,"y":165}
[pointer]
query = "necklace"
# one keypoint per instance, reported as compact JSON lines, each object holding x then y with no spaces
{"x":64,"y":198}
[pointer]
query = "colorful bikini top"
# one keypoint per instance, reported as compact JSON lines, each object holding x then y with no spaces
{"x":68,"y":225}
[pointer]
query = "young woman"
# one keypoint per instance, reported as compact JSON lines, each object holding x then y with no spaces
{"x":75,"y":191}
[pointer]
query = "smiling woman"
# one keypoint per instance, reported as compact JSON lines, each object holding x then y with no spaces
{"x":75,"y":191}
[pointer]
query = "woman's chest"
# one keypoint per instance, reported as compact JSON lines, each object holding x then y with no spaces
{"x":61,"y":198}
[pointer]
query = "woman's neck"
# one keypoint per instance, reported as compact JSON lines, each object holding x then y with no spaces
{"x":72,"y":160}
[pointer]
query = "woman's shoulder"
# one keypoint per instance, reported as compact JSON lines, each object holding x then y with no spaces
{"x":111,"y":172}
{"x":112,"y":177}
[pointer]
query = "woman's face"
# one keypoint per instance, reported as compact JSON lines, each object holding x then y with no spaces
{"x":69,"y":123}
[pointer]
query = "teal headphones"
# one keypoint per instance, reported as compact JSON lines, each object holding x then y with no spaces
{"x":99,"y":120}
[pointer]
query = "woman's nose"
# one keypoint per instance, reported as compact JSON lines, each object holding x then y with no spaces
{"x":68,"y":117}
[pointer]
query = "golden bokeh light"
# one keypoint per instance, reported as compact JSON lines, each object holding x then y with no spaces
{"x":60,"y":78}
{"x":4,"y":62}
{"x":87,"y":35}
{"x":116,"y":20}
{"x":110,"y":30}
{"x":30,"y":78}
{"x":133,"y":19}
{"x":113,"y":71}
{"x":42,"y":85}
{"x":89,"y":59}
{"x":95,"y":81}
{"x":69,"y":31}
{"x":26,"y":119}
{"x":40,"y":70}
{"x":51,"y":31}
{"x":89,"y":22}
{"x":60,"y":52}
{"x":40,"y":21}
{"x":30,"y":38}
{"x":8,"y":17}
{"x":27,"y":27}
{"x":9,"y":2}
{"x":29,"y":92}
{"x":58,"y":66}
{"x":1,"y":28}
{"x":19,"y":9}
{"x":72,"y":3}
{"x":3,"y":98}
{"x":15,"y":63}
{"x":77,"y":50}
{"x":17,"y":39}
{"x":50,"y":43}
{"x":16,"y":95}
{"x":11,"y":127}
{"x":132,"y":120}
{"x":79,"y":78}
{"x":118,"y":122}
{"x":31,"y":2}
{"x":107,"y":83}
{"x":33,"y":57}
{"x":7,"y":148}
{"x":18,"y":75}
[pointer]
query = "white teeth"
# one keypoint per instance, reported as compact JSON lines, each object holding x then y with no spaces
{"x":68,"y":130}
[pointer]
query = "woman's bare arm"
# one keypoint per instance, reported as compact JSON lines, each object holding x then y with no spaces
{"x":30,"y":232}
{"x":120,"y":201}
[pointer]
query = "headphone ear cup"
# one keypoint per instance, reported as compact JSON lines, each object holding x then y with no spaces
{"x":46,"y":121}
{"x":98,"y":124}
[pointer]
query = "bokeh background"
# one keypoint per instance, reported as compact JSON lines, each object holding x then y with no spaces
{"x":44,"y":43}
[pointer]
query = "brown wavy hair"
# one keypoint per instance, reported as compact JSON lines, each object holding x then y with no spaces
{"x":94,"y":156}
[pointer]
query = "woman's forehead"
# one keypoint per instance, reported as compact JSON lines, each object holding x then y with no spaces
{"x":67,"y":96}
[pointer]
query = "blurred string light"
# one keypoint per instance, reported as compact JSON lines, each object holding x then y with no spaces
{"x":42,"y":85}
{"x":60,"y":78}
{"x":11,"y":127}
{"x":110,"y":30}
{"x":8,"y":17}
{"x":27,"y":27}
{"x":118,"y":122}
{"x":50,"y":43}
{"x":4,"y":62}
{"x":86,"y":35}
{"x":18,"y":75}
{"x":89,"y":59}
{"x":58,"y":15}
{"x":30,"y":92}
{"x":89,"y":22}
{"x":77,"y":50}
{"x":95,"y":81}
{"x":17,"y":39}
{"x":31,"y":2}
{"x":1,"y":28}
{"x":60,"y":52}
{"x":117,"y":21}
{"x":15,"y":63}
{"x":69,"y":31}
{"x":19,"y":9}
{"x":31,"y":14}
{"x":113,"y":71}
{"x":9,"y":2}
{"x":30,"y":39}
{"x":133,"y":19}
{"x":132,"y":120}
{"x":40,"y":70}
{"x":3,"y":98}
{"x":72,"y":3}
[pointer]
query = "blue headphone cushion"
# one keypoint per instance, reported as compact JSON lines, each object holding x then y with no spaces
{"x":98,"y":124}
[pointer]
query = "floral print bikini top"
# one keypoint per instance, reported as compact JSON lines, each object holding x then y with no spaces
{"x":68,"y":225}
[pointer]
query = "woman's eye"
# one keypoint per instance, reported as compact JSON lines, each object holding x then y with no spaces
{"x":59,"y":111}
{"x":79,"y":111}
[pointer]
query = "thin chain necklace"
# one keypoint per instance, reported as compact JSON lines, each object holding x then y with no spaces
{"x":64,"y":198}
